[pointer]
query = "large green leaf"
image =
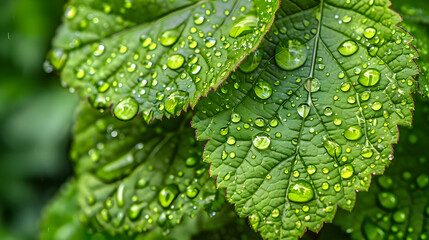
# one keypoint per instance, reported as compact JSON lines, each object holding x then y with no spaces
{"x":315,"y":119}
{"x":397,"y":206}
{"x":155,"y":57}
{"x":133,"y":177}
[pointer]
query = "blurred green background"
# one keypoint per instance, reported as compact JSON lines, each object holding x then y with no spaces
{"x":35,"y":116}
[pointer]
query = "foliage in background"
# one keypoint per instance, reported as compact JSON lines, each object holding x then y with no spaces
{"x":32,"y":167}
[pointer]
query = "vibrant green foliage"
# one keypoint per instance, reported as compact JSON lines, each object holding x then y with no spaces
{"x":133,"y":177}
{"x":315,"y":119}
{"x":397,"y":205}
{"x":155,"y":57}
{"x":299,"y":127}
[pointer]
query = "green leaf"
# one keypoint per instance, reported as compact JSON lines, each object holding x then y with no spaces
{"x":155,"y":57}
{"x":412,"y":15}
{"x":316,"y":119}
{"x":133,"y":177}
{"x":61,"y":218}
{"x":397,"y":205}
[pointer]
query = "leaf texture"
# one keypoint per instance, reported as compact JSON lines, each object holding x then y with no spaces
{"x":311,"y":116}
{"x":155,"y":57}
{"x":133,"y":177}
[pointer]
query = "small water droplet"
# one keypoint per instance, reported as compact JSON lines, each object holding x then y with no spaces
{"x":346,"y":171}
{"x":167,"y":195}
{"x":176,"y":101}
{"x":263,"y":90}
{"x":312,"y":85}
{"x":169,"y":37}
{"x":303,"y":110}
{"x":369,"y":32}
{"x":192,"y":192}
{"x":387,"y":200}
{"x":372,"y":231}
{"x":210,"y":42}
{"x":333,"y":148}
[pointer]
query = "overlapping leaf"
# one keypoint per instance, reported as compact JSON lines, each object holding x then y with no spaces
{"x":315,"y":117}
{"x":397,"y":206}
{"x":155,"y":57}
{"x":133,"y":177}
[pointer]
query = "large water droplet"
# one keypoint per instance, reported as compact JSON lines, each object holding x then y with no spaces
{"x":169,"y":37}
{"x":399,"y":216}
{"x":243,"y":25}
{"x":387,"y":200}
{"x":261,"y":141}
{"x":126,"y":109}
{"x":300,"y":191}
{"x":254,"y":221}
{"x":348,"y":48}
{"x":333,"y":148}
{"x":291,"y":55}
{"x":167,"y":195}
{"x":303,"y":110}
{"x":175,"y":101}
{"x":369,"y":77}
{"x":175,"y":61}
{"x":251,"y":62}
{"x":353,"y":133}
{"x":346,"y":171}
{"x":263,"y":90}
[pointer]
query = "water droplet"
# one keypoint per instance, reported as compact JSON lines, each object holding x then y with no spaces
{"x":263,"y":90}
{"x":251,"y":62}
{"x":260,"y":122}
{"x":254,"y":221}
{"x":175,"y":61}
{"x":169,"y":37}
{"x":313,"y":85}
{"x":135,"y":210}
{"x":120,"y":195}
{"x":104,"y":214}
{"x":372,"y":231}
{"x":126,"y":109}
{"x":243,"y":25}
{"x":399,"y":216}
{"x":275,"y":213}
{"x":346,"y":171}
{"x":369,"y":32}
{"x":198,"y":19}
{"x":422,"y":180}
{"x":191,"y":161}
{"x":353,"y":133}
{"x":70,"y":12}
{"x":261,"y":141}
{"x":167,"y":195}
{"x":57,"y":57}
{"x":385,"y":182}
{"x":300,"y":191}
{"x":210,"y":42}
{"x":224,"y":131}
{"x":369,"y":77}
{"x":303,"y":110}
{"x":176,"y":101}
{"x":311,"y":169}
{"x":366,"y":152}
{"x":235,"y":117}
{"x":327,"y":111}
{"x":141,"y":183}
{"x":387,"y":200}
{"x":192,"y":192}
{"x":291,"y":55}
{"x":348,"y":48}
{"x":333,"y":148}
